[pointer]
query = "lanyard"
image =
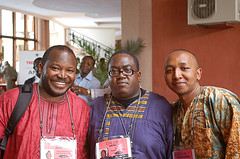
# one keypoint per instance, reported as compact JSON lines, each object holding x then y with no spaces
{"x":41,"y":123}
{"x":131,"y":125}
{"x":175,"y":126}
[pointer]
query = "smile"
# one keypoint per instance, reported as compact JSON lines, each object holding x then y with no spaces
{"x":60,"y":84}
{"x":179,"y":83}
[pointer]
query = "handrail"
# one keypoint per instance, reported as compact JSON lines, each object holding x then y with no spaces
{"x":79,"y":40}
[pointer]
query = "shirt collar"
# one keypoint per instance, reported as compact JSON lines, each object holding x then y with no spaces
{"x":88,"y":77}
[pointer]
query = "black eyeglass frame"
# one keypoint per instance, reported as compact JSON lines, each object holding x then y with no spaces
{"x":123,"y":72}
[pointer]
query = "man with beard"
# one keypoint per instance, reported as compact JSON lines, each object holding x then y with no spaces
{"x":85,"y":81}
{"x":142,"y":117}
{"x":205,"y":118}
{"x":54,"y":111}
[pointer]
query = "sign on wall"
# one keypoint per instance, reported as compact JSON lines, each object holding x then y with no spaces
{"x":26,"y":70}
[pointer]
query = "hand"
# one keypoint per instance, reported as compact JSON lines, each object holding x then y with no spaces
{"x":78,"y":90}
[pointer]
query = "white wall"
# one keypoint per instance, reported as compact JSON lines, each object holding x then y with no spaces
{"x":104,"y":36}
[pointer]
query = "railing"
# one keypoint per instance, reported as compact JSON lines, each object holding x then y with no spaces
{"x":91,"y":46}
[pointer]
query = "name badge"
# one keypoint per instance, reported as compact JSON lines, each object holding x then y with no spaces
{"x":58,"y":147}
{"x":118,"y":147}
{"x":183,"y":153}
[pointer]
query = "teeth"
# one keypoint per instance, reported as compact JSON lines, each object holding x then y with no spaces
{"x":60,"y":83}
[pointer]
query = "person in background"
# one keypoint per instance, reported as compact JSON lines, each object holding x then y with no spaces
{"x":132,"y":112}
{"x":85,"y":81}
{"x":36,"y":77}
{"x":54,"y":111}
{"x":206,"y":119}
{"x":9,"y":75}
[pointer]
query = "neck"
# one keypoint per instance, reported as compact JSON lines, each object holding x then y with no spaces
{"x":186,"y":99}
{"x":123,"y":96}
{"x":83,"y":75}
{"x":47,"y":96}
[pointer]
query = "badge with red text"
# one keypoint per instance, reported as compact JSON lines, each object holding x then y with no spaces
{"x":119,"y":147}
{"x":58,"y":147}
{"x":184,"y":154}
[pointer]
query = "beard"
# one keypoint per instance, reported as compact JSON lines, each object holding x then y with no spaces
{"x":49,"y":89}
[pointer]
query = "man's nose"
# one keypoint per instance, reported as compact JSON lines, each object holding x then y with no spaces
{"x":121,"y":75}
{"x":177,"y":73}
{"x":62,"y":74}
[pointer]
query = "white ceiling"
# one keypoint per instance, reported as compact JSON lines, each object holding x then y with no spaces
{"x":72,"y":13}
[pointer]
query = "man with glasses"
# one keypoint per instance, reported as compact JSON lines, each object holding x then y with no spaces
{"x":129,"y":113}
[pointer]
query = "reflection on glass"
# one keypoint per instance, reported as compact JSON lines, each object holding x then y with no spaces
{"x":30,"y":27}
{"x":19,"y":24}
{"x":7,"y":49}
{"x":7,"y":23}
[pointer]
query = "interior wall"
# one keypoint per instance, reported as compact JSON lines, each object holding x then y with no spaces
{"x":137,"y":23}
{"x":43,"y":34}
{"x":217,"y":48}
{"x":104,"y":36}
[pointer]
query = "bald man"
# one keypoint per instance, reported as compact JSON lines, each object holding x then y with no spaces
{"x":206,"y":119}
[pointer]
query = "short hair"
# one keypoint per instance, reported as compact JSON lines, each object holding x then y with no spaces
{"x":102,"y":59}
{"x":90,"y":58}
{"x":58,"y":47}
{"x":194,"y":56}
{"x":127,"y":53}
{"x":35,"y":61}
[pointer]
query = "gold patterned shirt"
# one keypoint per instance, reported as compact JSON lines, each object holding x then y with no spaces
{"x":216,"y":123}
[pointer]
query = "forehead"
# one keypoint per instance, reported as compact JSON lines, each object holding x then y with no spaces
{"x":180,"y":58}
{"x":121,"y":60}
{"x":87,"y":59}
{"x":62,"y":57}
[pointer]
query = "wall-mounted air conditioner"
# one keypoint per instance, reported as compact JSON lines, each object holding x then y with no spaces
{"x":208,"y":12}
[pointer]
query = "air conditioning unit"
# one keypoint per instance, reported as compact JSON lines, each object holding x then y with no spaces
{"x":211,"y":12}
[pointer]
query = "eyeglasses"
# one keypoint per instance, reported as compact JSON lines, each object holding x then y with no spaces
{"x":125,"y":72}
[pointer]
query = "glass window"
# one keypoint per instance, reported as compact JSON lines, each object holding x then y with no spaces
{"x":7,"y":23}
{"x":7,"y":49}
{"x":19,"y":24}
{"x":22,"y":37}
{"x":30,"y":45}
{"x":30,"y":27}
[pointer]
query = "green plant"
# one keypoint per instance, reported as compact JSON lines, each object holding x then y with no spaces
{"x":100,"y":72}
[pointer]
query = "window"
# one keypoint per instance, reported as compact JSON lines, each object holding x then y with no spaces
{"x":17,"y":33}
{"x":7,"y":23}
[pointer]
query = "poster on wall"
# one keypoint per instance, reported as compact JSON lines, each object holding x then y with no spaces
{"x":26,"y":70}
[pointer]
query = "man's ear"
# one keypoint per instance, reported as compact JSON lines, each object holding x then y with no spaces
{"x":139,"y":76}
{"x":199,"y":73}
{"x":40,"y":68}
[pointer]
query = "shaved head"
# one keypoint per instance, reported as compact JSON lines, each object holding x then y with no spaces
{"x":182,"y":72}
{"x":179,"y":51}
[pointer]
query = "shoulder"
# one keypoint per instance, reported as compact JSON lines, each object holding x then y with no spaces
{"x":221,"y":100}
{"x":158,"y":102}
{"x":98,"y":102}
{"x":212,"y":92}
{"x":9,"y":98}
{"x":156,"y":98}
